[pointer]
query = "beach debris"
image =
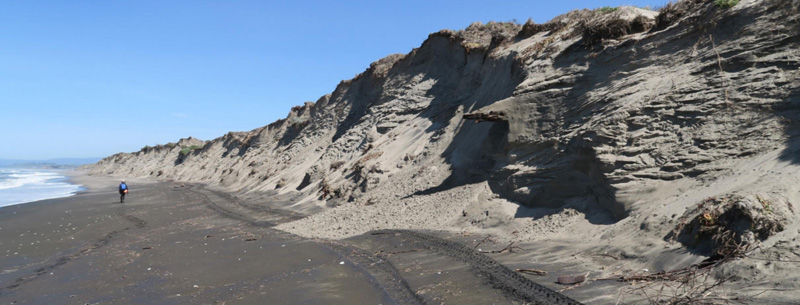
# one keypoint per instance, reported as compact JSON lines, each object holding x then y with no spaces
{"x":250,"y":239}
{"x":531,"y":271}
{"x":341,"y":263}
{"x":209,"y":236}
{"x":729,"y":225}
{"x":571,"y":280}
{"x":678,"y":275}
{"x":570,"y":287}
{"x":195,"y":286}
{"x":608,"y":255}
{"x":510,"y":248}
{"x":695,"y":284}
{"x":488,"y":237}
{"x":147,"y":248}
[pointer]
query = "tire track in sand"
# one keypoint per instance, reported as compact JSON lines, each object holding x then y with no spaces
{"x":512,"y":284}
{"x":500,"y":277}
{"x":380,"y":271}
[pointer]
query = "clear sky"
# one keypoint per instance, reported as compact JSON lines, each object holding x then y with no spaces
{"x":93,"y":78}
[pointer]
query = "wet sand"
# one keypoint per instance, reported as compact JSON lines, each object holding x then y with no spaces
{"x":163,"y":246}
{"x":176,"y":243}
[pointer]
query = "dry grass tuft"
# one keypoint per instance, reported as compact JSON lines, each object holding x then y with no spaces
{"x":611,"y":25}
{"x":482,"y":37}
{"x":674,"y":11}
{"x":336,"y":165}
{"x":531,"y":28}
{"x":642,"y":24}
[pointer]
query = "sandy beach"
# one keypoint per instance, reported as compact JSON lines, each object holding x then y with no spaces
{"x":177,"y":243}
{"x":187,"y":243}
{"x":164,"y":245}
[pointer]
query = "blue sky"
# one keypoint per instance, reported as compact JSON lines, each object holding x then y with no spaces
{"x":93,"y":78}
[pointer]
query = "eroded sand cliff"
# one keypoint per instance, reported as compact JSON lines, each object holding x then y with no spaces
{"x":632,"y":132}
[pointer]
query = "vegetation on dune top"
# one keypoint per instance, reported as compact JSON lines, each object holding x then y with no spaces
{"x":185,"y":150}
{"x":607,"y":9}
{"x":726,"y":3}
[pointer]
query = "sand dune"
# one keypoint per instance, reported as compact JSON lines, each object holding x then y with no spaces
{"x":616,"y":143}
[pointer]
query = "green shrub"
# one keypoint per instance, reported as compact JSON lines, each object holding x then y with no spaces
{"x":607,"y":9}
{"x":185,"y":150}
{"x":726,"y":3}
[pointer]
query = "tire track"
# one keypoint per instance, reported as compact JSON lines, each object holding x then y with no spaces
{"x":500,"y":277}
{"x":511,"y":283}
{"x":138,"y":222}
{"x":386,"y":276}
{"x":212,"y":200}
{"x":215,"y":200}
{"x":380,"y":271}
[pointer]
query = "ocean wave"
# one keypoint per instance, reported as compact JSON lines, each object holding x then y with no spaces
{"x":19,"y":179}
{"x":21,"y":186}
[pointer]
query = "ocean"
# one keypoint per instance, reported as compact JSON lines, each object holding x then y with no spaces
{"x":27,"y":185}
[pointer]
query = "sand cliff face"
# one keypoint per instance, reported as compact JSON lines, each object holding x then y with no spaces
{"x":623,"y":118}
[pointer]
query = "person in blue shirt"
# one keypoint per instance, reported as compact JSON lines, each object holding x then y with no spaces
{"x":123,"y":190}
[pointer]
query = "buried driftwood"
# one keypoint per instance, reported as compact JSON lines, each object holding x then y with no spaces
{"x":510,"y":248}
{"x":572,"y":280}
{"x":531,"y":271}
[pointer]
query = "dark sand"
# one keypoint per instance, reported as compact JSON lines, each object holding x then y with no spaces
{"x":163,"y":246}
{"x":172,"y":243}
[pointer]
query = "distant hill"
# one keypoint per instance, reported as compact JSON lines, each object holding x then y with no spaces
{"x":59,"y":163}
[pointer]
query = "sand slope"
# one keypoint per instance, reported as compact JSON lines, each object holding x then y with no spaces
{"x":644,"y":136}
